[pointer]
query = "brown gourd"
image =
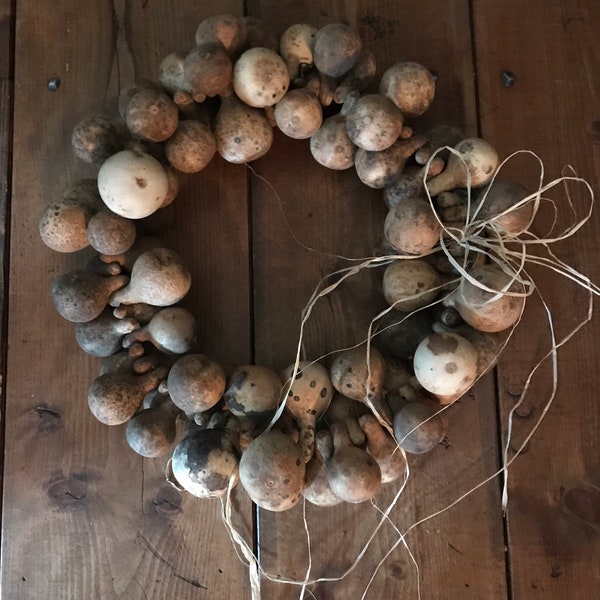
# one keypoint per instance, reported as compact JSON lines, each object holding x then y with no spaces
{"x":81,"y":296}
{"x":196,"y":383}
{"x":94,"y":139}
{"x":353,"y":377}
{"x":109,"y":233}
{"x":113,"y":398}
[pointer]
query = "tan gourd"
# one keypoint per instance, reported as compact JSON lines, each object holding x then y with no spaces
{"x":411,"y":227}
{"x":172,"y":330}
{"x":171,"y":77}
{"x":410,"y":284}
{"x":81,"y":296}
{"x":378,"y":169}
{"x":94,"y":139}
{"x":207,"y":70}
{"x":158,"y":277}
{"x":191,"y":147}
{"x":252,"y":395}
{"x":474,"y":163}
{"x":336,"y":49}
{"x":226,"y":29}
{"x":103,"y":335}
{"x":151,"y":115}
{"x":317,"y":490}
{"x":243,"y":133}
{"x":373,"y":122}
{"x":485,"y":310}
{"x":418,"y":426}
{"x":113,"y":398}
{"x":272,"y":471}
{"x":196,"y":383}
{"x":308,"y":396}
{"x":109,"y":233}
{"x":253,"y":391}
{"x":260,"y":77}
{"x":384,"y":449}
{"x":331,"y":147}
{"x":298,"y":114}
{"x":445,"y":364}
{"x":127,"y":259}
{"x":152,"y":431}
{"x":296,"y":47}
{"x":63,"y":223}
{"x":352,"y":473}
{"x":354,"y":378}
{"x":496,"y":204}
{"x":410,"y":86}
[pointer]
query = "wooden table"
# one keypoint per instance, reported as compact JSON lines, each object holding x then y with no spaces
{"x":83,"y":517}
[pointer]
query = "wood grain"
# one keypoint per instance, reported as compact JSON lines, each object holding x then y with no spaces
{"x":552,"y":109}
{"x":304,"y":205}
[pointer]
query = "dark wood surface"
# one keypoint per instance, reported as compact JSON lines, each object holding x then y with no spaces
{"x":83,"y":517}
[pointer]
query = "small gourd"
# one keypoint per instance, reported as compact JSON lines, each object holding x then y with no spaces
{"x":103,"y":335}
{"x":113,"y":398}
{"x":109,"y":233}
{"x":474,"y":162}
{"x":81,"y":296}
{"x":419,"y":426}
{"x":196,"y":383}
{"x":410,"y":284}
{"x":205,"y":461}
{"x":272,"y":471}
{"x":353,"y":377}
{"x":172,"y":330}
{"x":384,"y":449}
{"x":308,"y":396}
{"x":353,"y":474}
{"x":379,"y":168}
{"x":158,"y":277}
{"x":485,"y":310}
{"x":151,"y":432}
{"x":336,"y":49}
{"x":410,"y":86}
{"x":207,"y":70}
{"x":317,"y":490}
{"x":331,"y":146}
{"x":243,"y":132}
{"x":94,"y":139}
{"x":347,"y":411}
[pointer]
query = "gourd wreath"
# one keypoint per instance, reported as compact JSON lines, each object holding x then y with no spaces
{"x":326,"y":432}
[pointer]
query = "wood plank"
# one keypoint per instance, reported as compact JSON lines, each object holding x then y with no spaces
{"x":334,"y":213}
{"x":83,"y":516}
{"x":553,"y":50}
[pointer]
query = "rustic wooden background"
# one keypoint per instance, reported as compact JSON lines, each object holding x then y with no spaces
{"x":83,"y":517}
